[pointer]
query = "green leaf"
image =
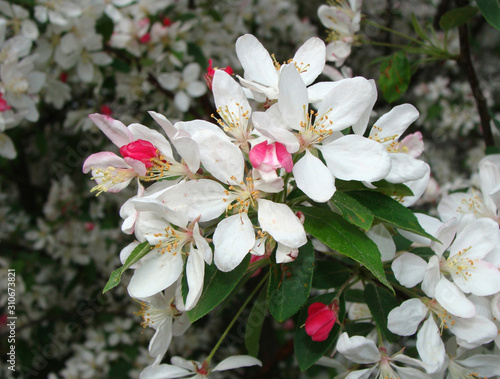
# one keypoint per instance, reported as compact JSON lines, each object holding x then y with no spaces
{"x":382,"y":186}
{"x":394,"y":76}
{"x":353,"y":211}
{"x":197,"y":53}
{"x":290,"y":284}
{"x":456,"y":17}
{"x":390,"y":211}
{"x":381,"y":302}
{"x":331,"y":229}
{"x":359,"y":328}
{"x":140,"y":251}
{"x":217,"y":286}
{"x":254,"y":323}
{"x":306,"y":350}
{"x":104,"y":26}
{"x":490,"y":9}
{"x":418,"y":29}
{"x":329,"y":274}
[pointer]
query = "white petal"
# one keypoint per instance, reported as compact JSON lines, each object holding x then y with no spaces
{"x":453,"y":299}
{"x":481,"y":279}
{"x":430,"y":346}
{"x":409,"y":269}
{"x":311,"y":58}
{"x":155,"y":275}
{"x":237,"y":361}
{"x":353,"y":157}
{"x":182,"y":101}
{"x":432,"y":276}
{"x":286,"y":254}
{"x":195,"y":272}
{"x":220,"y":157}
{"x":394,"y":123}
{"x":477,"y":330}
{"x":358,"y":349}
{"x":7,"y":149}
{"x":485,"y":365}
{"x":405,"y":319}
{"x":359,"y":127}
{"x":405,"y":168}
{"x":314,"y":178}
{"x":104,"y":159}
{"x":346,"y":103}
{"x":418,"y":188}
{"x":269,"y":128}
{"x":197,"y":198}
{"x":256,"y":61}
{"x":228,"y":93}
{"x":85,"y":71}
{"x":160,"y":342}
{"x":445,"y":234}
{"x":292,"y":98}
{"x":164,"y":371}
{"x":281,"y":223}
{"x":383,"y":239}
{"x":113,"y":129}
{"x":233,"y":239}
{"x":479,"y":237}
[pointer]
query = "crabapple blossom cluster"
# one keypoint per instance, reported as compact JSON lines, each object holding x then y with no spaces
{"x":220,"y":191}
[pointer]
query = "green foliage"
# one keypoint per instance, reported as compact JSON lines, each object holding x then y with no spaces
{"x":390,"y":211}
{"x":330,"y":274}
{"x":394,"y":76}
{"x":490,"y":9}
{"x":140,"y":251}
{"x":308,"y":351}
{"x":345,"y":238}
{"x":457,"y":17}
{"x":290,"y":284}
{"x":354,"y":212}
{"x":381,"y":302}
{"x":255,"y":322}
{"x":217,"y":286}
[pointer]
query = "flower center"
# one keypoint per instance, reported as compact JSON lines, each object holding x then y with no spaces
{"x":240,"y":197}
{"x":312,"y":133}
{"x":460,"y":264}
{"x":109,"y":177}
{"x":236,"y":124}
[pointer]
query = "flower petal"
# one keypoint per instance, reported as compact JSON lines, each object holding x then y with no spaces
{"x":237,"y":361}
{"x":314,"y":178}
{"x":353,"y":157}
{"x":233,"y":239}
{"x":358,"y":349}
{"x":115,"y":130}
{"x":405,"y":319}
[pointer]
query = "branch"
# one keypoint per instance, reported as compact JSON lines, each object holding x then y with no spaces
{"x":466,"y":62}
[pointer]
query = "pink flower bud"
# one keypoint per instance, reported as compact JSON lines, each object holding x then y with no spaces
{"x":140,"y":150}
{"x":209,"y":76}
{"x":269,"y":157}
{"x":320,"y":320}
{"x":145,"y":38}
{"x":106,"y":110}
{"x":4,"y":106}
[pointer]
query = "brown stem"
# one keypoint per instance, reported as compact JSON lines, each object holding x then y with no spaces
{"x":465,"y":61}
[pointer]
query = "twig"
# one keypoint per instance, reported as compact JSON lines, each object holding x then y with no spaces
{"x":466,"y":62}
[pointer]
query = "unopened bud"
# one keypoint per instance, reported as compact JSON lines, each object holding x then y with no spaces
{"x":320,"y":320}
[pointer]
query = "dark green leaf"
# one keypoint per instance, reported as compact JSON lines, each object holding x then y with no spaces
{"x":331,"y":229}
{"x":308,"y":351}
{"x":217,"y":285}
{"x":353,"y":211}
{"x":140,"y":251}
{"x":104,"y":26}
{"x":456,"y":17}
{"x":390,"y":211}
{"x":354,"y":295}
{"x":254,"y":323}
{"x":329,"y":274}
{"x":195,"y":51}
{"x":490,"y":9}
{"x":290,"y":284}
{"x":359,"y":328}
{"x":381,"y":302}
{"x":383,"y":186}
{"x":394,"y":76}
